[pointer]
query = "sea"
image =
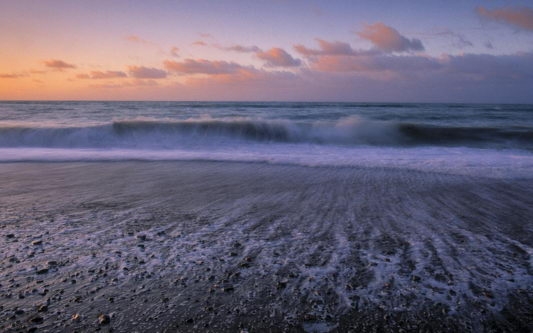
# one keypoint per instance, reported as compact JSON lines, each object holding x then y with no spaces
{"x":265,"y":217}
{"x":483,"y":139}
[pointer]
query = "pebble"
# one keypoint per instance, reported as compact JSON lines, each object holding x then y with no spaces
{"x":37,"y":320}
{"x":103,"y":319}
{"x":42,"y":271}
{"x":10,"y":236}
{"x":282,"y":283}
{"x":228,"y":288}
{"x":37,"y":242}
{"x":76,"y":317}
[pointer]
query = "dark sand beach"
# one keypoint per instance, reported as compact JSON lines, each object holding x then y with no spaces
{"x":229,"y":247}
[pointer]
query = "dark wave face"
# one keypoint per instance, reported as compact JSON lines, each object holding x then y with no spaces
{"x":436,"y":135}
{"x":346,"y":131}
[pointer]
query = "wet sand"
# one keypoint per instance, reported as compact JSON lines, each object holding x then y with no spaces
{"x":216,"y":247}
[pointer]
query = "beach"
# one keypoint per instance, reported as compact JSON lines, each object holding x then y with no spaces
{"x":146,"y":246}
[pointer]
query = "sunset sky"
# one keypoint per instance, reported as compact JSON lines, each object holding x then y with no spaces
{"x":412,"y":50}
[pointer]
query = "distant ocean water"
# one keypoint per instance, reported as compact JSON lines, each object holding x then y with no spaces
{"x":489,"y":140}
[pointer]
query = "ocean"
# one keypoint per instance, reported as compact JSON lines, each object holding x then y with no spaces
{"x":265,"y":217}
{"x":490,"y":140}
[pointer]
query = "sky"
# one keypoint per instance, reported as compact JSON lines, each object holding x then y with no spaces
{"x":273,"y":50}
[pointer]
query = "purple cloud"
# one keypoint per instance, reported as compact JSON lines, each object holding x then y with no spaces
{"x":102,"y":75}
{"x":202,"y":66}
{"x":326,"y":48}
{"x":58,"y":65}
{"x":388,"y":39}
{"x":141,"y":72}
{"x":277,"y":57}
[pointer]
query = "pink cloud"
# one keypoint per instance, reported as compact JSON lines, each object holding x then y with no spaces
{"x":127,"y":84}
{"x":11,"y":76}
{"x":174,"y":51}
{"x":388,"y":39}
{"x":58,"y":65}
{"x":199,"y":43}
{"x":141,"y":72}
{"x":102,"y":75}
{"x":136,"y":39}
{"x":276,"y":57}
{"x":521,"y":17}
{"x":202,"y":66}
{"x":242,"y":48}
{"x":326,"y":48}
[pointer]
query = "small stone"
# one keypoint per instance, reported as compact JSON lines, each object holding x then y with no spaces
{"x":141,"y":238}
{"x":76,"y":317}
{"x":282,"y":283}
{"x":10,"y":236}
{"x":52,"y":263}
{"x":189,"y":321}
{"x":103,"y":319}
{"x":37,"y":320}
{"x":228,"y":288}
{"x":42,"y":271}
{"x":32,"y":329}
{"x":19,"y":312}
{"x":42,"y":308}
{"x":37,"y":242}
{"x":416,"y":278}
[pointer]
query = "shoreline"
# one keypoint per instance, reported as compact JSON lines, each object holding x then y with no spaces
{"x":217,"y":246}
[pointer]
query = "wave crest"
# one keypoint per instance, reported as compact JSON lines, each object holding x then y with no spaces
{"x":149,"y":133}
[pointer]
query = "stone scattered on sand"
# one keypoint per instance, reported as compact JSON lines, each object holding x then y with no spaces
{"x":76,"y":317}
{"x":10,"y":236}
{"x":228,"y":287}
{"x":42,"y":271}
{"x":282,"y":283}
{"x":37,"y":242}
{"x":37,"y":319}
{"x":104,"y":319}
{"x":42,"y":308}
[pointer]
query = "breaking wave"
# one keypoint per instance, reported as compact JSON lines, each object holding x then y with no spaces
{"x":150,"y":133}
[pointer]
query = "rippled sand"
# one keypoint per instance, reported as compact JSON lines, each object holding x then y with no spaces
{"x":207,"y":246}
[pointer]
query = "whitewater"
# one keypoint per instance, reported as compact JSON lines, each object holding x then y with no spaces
{"x":489,"y":140}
